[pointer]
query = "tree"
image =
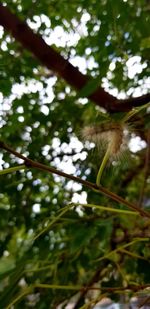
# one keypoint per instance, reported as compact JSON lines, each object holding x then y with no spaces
{"x":68,"y":227}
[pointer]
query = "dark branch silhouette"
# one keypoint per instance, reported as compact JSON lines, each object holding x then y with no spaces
{"x":34,"y":164}
{"x":60,"y":66}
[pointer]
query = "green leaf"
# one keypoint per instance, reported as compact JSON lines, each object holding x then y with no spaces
{"x":145,"y":43}
{"x":6,"y":264}
{"x":89,"y":88}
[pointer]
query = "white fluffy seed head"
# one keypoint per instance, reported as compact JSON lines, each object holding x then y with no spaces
{"x":111,"y":135}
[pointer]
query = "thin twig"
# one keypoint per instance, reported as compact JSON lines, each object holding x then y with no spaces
{"x":33,"y":164}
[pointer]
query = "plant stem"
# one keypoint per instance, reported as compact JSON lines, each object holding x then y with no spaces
{"x":107,"y":255}
{"x":134,"y":112}
{"x":34,"y":164}
{"x":12,"y":169}
{"x":43,"y":231}
{"x":102,"y":166}
{"x":109,"y":209}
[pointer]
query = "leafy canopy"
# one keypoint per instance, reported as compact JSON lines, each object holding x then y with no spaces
{"x":54,"y":241}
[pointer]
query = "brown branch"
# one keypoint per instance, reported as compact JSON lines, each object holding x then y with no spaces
{"x":48,"y":56}
{"x":33,"y":164}
{"x":135,"y":102}
{"x":95,"y":278}
{"x":55,"y":62}
{"x":146,"y":170}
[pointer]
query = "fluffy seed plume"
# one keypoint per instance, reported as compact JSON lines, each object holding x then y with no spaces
{"x":110,"y":135}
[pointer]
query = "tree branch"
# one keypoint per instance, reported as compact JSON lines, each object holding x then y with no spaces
{"x":48,"y":56}
{"x":55,"y":62}
{"x":33,"y":164}
{"x":136,"y":102}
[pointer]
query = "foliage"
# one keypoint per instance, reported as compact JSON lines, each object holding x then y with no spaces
{"x":54,"y":241}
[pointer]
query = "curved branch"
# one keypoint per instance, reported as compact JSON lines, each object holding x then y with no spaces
{"x":34,"y":164}
{"x":135,"y":102}
{"x":55,"y":62}
{"x":48,"y":56}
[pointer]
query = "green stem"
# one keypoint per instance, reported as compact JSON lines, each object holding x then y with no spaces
{"x":107,"y":255}
{"x":134,"y":112}
{"x":102,"y":166}
{"x":19,"y":297}
{"x":109,"y":209}
{"x":12,"y":169}
{"x":44,"y":230}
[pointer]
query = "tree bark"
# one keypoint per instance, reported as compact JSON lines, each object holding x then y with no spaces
{"x":60,"y":66}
